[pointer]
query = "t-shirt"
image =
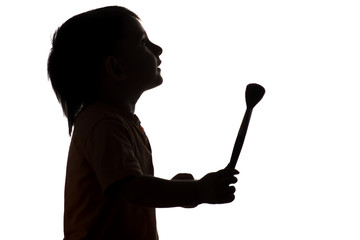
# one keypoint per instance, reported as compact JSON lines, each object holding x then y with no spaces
{"x":107,"y":146}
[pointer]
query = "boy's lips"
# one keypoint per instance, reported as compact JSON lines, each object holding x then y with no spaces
{"x":159,"y":69}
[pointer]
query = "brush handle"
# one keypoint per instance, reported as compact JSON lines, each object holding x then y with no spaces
{"x":240,"y":138}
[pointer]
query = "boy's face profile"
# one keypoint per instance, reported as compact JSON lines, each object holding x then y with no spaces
{"x":139,"y":58}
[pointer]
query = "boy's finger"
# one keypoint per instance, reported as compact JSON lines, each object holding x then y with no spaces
{"x":230,"y":195}
{"x":232,"y":171}
{"x":228,"y":171}
{"x":225,"y":182}
{"x":232,"y":189}
{"x":233,"y":180}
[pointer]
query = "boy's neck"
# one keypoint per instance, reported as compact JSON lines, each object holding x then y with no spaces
{"x":120,"y":97}
{"x":123,"y":106}
{"x":126,"y":104}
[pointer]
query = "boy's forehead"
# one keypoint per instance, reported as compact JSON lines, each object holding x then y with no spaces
{"x":133,"y":32}
{"x":133,"y":29}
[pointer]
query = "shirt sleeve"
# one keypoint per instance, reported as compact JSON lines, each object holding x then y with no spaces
{"x":111,"y":154}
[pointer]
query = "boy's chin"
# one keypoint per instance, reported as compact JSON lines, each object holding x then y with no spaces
{"x":157,"y":82}
{"x":160,"y":81}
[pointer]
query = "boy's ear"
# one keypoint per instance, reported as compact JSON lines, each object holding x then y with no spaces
{"x":114,"y":69}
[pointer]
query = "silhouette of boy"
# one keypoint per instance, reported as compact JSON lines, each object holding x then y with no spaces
{"x":100,"y":63}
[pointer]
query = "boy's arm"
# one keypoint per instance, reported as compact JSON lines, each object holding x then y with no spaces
{"x":185,"y":176}
{"x":149,"y":191}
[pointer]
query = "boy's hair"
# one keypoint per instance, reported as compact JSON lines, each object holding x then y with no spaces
{"x":79,"y":47}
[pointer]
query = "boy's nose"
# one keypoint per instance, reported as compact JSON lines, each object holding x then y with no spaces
{"x":160,"y":50}
{"x":157,"y":50}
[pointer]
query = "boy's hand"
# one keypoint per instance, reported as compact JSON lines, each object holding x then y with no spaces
{"x":215,"y":187}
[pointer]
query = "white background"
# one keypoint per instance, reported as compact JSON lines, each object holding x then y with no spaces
{"x":300,"y":162}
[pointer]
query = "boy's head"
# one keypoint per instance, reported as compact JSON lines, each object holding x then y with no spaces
{"x":95,"y":49}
